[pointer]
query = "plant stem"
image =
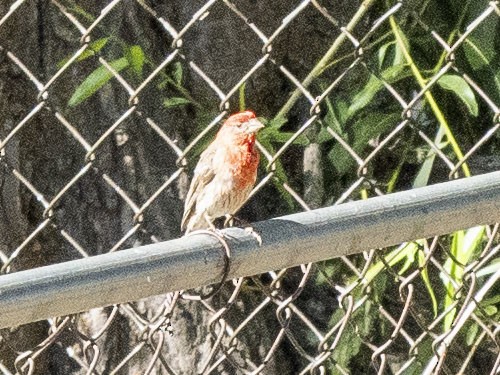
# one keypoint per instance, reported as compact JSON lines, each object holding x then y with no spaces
{"x":368,"y":47}
{"x":452,"y":36}
{"x":444,"y":128}
{"x":325,"y":60}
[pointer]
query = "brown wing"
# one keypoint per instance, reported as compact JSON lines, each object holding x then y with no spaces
{"x":203,"y":174}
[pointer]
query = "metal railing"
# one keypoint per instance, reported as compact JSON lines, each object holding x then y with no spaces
{"x":287,"y":241}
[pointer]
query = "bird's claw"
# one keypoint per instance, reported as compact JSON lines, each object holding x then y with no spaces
{"x":254,"y":234}
{"x":210,"y":231}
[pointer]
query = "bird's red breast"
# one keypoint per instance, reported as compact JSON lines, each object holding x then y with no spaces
{"x":225,"y":173}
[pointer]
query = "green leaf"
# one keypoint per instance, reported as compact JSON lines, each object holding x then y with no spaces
{"x":135,"y":56}
{"x":350,"y":343}
{"x":78,"y":10}
{"x":481,"y":58}
{"x":493,"y":301}
{"x":424,"y":173}
{"x":461,"y":88}
{"x":424,"y":274}
{"x":490,"y":310}
{"x":342,"y":110}
{"x":382,"y":52}
{"x":425,"y":170}
{"x":374,"y":85}
{"x":95,"y":81}
{"x":364,"y":130}
{"x":399,"y":57}
{"x":91,"y":50}
{"x":95,"y":46}
{"x":280,"y":174}
{"x":409,"y":257}
{"x":471,"y":334}
{"x":364,"y":97}
{"x":489,"y":269}
{"x":177,"y":73}
{"x":403,"y":252}
{"x":242,"y":96}
{"x":331,"y":119}
{"x":482,"y":38}
{"x":360,"y":327}
{"x":323,"y":135}
{"x":277,"y":122}
{"x":477,"y":58}
{"x":327,"y":270}
{"x":463,"y":246}
{"x":391,"y":184}
{"x":271,"y":134}
{"x":396,"y":73}
{"x":175,"y":102}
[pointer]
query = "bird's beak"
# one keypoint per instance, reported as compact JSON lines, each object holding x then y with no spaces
{"x":253,"y":126}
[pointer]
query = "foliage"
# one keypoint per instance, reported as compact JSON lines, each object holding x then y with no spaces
{"x":362,"y":112}
{"x":452,"y":109}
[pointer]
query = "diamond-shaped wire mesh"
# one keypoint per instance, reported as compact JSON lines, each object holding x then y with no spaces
{"x":105,"y":108}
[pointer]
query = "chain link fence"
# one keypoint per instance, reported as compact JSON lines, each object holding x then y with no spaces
{"x":106,"y":107}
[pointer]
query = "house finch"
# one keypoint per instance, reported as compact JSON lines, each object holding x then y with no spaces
{"x":225,"y":173}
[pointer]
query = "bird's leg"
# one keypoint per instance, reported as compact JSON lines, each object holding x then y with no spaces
{"x":211,"y":225}
{"x":231,"y":219}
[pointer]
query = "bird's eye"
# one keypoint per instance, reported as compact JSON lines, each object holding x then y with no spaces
{"x":239,"y":124}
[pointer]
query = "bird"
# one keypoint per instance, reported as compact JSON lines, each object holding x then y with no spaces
{"x":225,"y":174}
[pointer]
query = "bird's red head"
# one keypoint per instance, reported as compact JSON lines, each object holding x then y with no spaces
{"x":240,"y":128}
{"x":239,"y":118}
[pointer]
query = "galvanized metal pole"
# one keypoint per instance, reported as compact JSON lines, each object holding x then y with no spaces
{"x":287,"y":241}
